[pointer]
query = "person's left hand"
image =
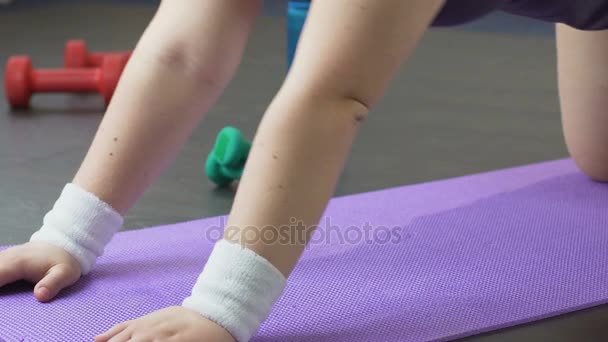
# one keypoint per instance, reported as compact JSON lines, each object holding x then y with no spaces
{"x":175,"y":324}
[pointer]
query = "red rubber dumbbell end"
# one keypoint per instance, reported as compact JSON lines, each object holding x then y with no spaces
{"x":77,"y":55}
{"x":17,"y":81}
{"x":22,"y":80}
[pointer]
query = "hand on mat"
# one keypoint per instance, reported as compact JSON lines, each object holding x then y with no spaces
{"x":50,"y":267}
{"x":175,"y":324}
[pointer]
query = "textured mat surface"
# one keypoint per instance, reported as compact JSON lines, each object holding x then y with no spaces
{"x":426,"y":262}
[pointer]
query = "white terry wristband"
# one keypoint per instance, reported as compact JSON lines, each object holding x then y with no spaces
{"x":236,"y":289}
{"x":81,"y":224}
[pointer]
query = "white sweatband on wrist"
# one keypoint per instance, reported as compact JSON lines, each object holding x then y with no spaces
{"x":236,"y":289}
{"x":81,"y":224}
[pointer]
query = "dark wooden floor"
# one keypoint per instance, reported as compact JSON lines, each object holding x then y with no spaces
{"x":468,"y":101}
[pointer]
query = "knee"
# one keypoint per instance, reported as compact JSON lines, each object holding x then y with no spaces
{"x":598,"y":174}
{"x":594,"y":165}
{"x":587,"y":142}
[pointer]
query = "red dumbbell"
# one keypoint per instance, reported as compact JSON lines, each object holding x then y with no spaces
{"x":21,"y":80}
{"x":77,"y":55}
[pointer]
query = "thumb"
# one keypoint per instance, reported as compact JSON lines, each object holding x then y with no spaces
{"x":57,"y":278}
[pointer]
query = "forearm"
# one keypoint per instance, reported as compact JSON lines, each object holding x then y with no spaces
{"x":296,"y":159}
{"x":177,"y":71}
{"x":141,"y":132}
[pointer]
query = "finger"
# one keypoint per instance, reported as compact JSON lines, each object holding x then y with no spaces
{"x":123,"y":336}
{"x":106,"y":336}
{"x":141,"y":338}
{"x":10,"y":268}
{"x":57,"y":278}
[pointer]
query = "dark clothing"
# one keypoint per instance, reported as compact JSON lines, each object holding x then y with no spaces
{"x":581,"y":14}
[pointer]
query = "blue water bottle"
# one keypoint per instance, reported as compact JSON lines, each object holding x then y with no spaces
{"x":297,"y":10}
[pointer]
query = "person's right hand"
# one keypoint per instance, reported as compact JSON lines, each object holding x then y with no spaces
{"x":50,"y":267}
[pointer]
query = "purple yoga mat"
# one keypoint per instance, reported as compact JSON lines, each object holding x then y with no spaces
{"x":463,"y":256}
